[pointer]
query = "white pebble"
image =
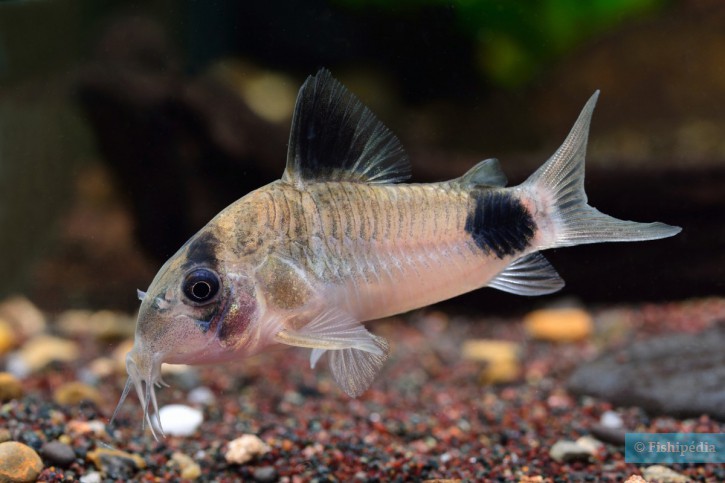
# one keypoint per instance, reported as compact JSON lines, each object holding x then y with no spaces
{"x":591,"y":444}
{"x":16,"y":365}
{"x":180,"y":420}
{"x":610,"y":419}
{"x":201,"y":395}
{"x":98,"y":427}
{"x":92,"y":477}
{"x":567,"y":451}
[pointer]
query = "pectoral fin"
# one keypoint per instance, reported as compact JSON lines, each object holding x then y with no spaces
{"x":330,"y":330}
{"x":356,"y":355}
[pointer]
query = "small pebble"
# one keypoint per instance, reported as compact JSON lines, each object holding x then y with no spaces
{"x":10,"y":387}
{"x":245,"y":448}
{"x":120,"y":352}
{"x":663,"y":474}
{"x":72,"y":393}
{"x":177,"y":369}
{"x":24,"y":317}
{"x":18,"y":462}
{"x":269,"y":95}
{"x":201,"y":395}
{"x":635,"y":479}
{"x":490,"y":350}
{"x":190,"y":470}
{"x":590,"y":443}
{"x":92,"y":477}
{"x":265,"y":474}
{"x":180,"y":420}
{"x":56,"y":453}
{"x":5,"y":435}
{"x":95,"y":427}
{"x":500,"y":372}
{"x":610,"y":419}
{"x":34,"y":439}
{"x":103,"y":324}
{"x":116,"y":464}
{"x":102,"y":367}
{"x":16,"y":366}
{"x":501,"y":359}
{"x":8,"y":339}
{"x":185,"y":377}
{"x":559,"y":325}
{"x":41,"y":351}
{"x":567,"y":451}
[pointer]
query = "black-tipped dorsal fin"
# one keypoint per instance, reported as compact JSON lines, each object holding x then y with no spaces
{"x":486,"y":173}
{"x":334,"y":137}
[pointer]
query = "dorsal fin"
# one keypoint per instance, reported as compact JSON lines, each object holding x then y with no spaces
{"x":488,"y":172}
{"x":334,"y":137}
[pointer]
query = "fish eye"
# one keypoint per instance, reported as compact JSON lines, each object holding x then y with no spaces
{"x":201,"y":285}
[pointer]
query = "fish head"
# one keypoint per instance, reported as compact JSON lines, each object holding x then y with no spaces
{"x":198,"y":309}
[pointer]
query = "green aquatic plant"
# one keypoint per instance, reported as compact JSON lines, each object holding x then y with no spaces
{"x":515,"y":39}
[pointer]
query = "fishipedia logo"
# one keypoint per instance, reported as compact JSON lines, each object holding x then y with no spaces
{"x":674,"y":448}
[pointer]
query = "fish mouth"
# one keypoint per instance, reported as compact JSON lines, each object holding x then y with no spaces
{"x":144,"y":375}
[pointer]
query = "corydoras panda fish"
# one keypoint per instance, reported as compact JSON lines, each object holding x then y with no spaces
{"x":340,"y":240}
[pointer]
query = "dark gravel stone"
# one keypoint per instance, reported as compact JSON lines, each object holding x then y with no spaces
{"x":613,"y":436}
{"x":31,"y":439}
{"x":118,"y":468}
{"x":265,"y":474}
{"x":681,"y":375}
{"x":58,"y":454}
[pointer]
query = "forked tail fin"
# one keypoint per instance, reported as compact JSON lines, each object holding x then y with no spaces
{"x":557,"y":190}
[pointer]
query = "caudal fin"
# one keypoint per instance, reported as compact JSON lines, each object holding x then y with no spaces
{"x":557,"y":188}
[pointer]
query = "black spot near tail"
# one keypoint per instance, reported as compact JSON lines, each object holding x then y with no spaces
{"x":499,"y":223}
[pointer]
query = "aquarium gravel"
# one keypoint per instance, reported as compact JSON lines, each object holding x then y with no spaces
{"x":430,"y":415}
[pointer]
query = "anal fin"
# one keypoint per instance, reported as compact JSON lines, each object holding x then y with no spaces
{"x":530,"y":275}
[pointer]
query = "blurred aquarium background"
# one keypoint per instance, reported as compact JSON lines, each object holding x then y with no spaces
{"x":125,"y":126}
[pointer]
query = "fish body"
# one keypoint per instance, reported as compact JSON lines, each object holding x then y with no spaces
{"x":372,"y":250}
{"x":338,"y":241}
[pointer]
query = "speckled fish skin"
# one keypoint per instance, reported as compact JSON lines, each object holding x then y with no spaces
{"x":338,"y":241}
